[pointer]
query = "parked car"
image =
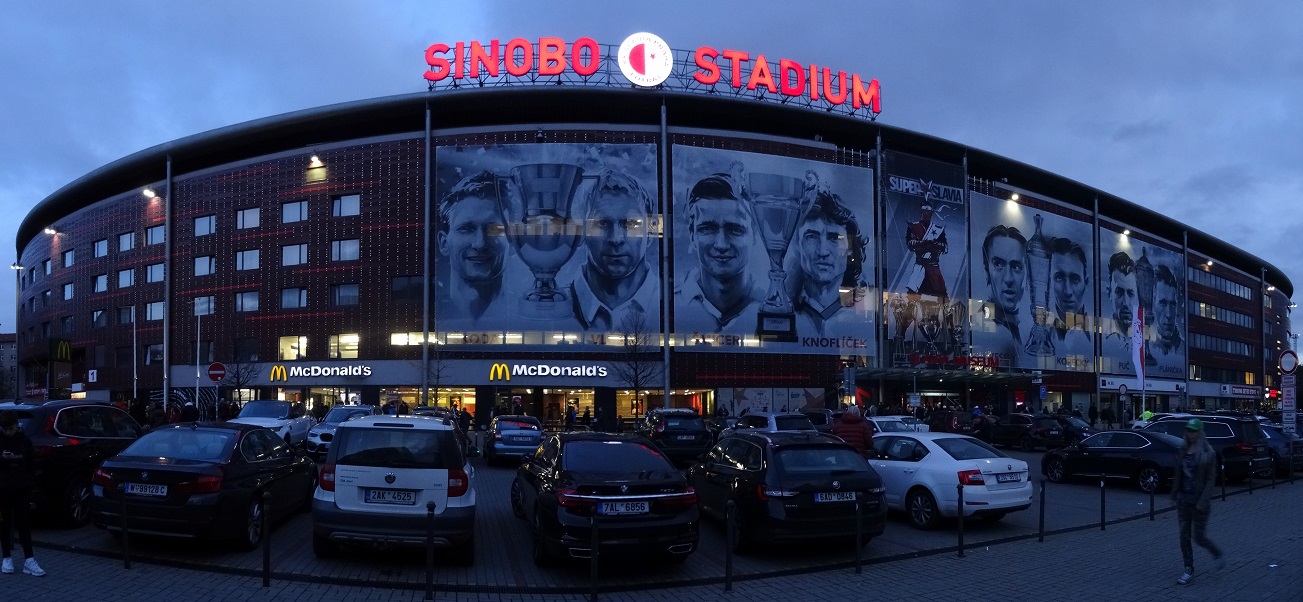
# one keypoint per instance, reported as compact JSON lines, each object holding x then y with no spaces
{"x":320,"y":435}
{"x":1140,"y":423}
{"x":642,"y":502}
{"x":679,"y":433}
{"x":1286,"y":450}
{"x":770,"y":422}
{"x":821,"y":419}
{"x":205,"y":480}
{"x":379,"y":475}
{"x":1238,"y":440}
{"x":1075,"y":430}
{"x":889,"y":424}
{"x":923,"y":471}
{"x":1028,"y":432}
{"x":789,"y":486}
{"x":914,"y":423}
{"x":1145,"y":458}
{"x":950,"y":421}
{"x":719,"y":424}
{"x":289,"y":421}
{"x":70,"y":438}
{"x":511,"y":438}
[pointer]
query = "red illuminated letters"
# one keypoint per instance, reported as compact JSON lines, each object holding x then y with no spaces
{"x":517,"y":57}
{"x":793,"y":78}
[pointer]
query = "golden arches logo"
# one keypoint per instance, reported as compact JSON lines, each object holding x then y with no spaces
{"x":499,"y":371}
{"x":62,"y":350}
{"x":278,"y":373}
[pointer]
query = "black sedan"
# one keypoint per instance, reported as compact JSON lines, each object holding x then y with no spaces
{"x":1075,"y":430}
{"x":203,"y":479}
{"x":1027,"y":431}
{"x":641,"y":503}
{"x":789,"y":486}
{"x":1146,"y":458}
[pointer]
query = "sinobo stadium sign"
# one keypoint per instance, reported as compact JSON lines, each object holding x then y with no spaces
{"x":641,"y":60}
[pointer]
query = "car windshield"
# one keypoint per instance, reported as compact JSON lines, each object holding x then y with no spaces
{"x":1077,"y":422}
{"x":892,"y":426}
{"x":793,"y":423}
{"x":396,"y":448}
{"x":613,"y":457}
{"x":1048,"y":423}
{"x":518,"y":425}
{"x":817,"y":417}
{"x":808,"y":460}
{"x":675,"y":422}
{"x":340,"y":414}
{"x":266,"y":409}
{"x":183,"y":444}
{"x":967,"y":448}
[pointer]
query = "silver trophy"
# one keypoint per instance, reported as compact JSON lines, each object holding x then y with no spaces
{"x":1039,"y":341}
{"x":777,"y":201}
{"x":541,"y":231}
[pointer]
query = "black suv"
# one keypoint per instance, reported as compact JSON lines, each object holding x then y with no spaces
{"x":950,"y":421}
{"x":1238,"y":440}
{"x":70,"y":438}
{"x":679,"y":433}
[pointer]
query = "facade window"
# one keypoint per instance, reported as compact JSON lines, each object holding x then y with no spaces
{"x":101,"y":283}
{"x":246,"y":218}
{"x":246,"y":350}
{"x":45,"y":329}
{"x":294,"y":298}
{"x":46,"y":297}
{"x":343,"y":294}
{"x":99,"y":356}
{"x":154,"y":273}
{"x":154,"y":235}
{"x":126,"y":241}
{"x":67,"y":291}
{"x":344,"y":250}
{"x":205,"y":266}
{"x":45,"y":265}
{"x":294,"y":211}
{"x":126,"y":315}
{"x":246,"y":260}
{"x":292,"y":348}
{"x":204,"y":306}
{"x":406,"y":289}
{"x":294,"y":254}
{"x":346,"y":205}
{"x":154,"y":311}
{"x":98,"y":318}
{"x":205,"y":350}
{"x":343,"y":346}
{"x":205,"y":225}
{"x":101,"y":248}
{"x":154,"y":354}
{"x":65,"y":324}
{"x":69,"y":257}
{"x":246,"y":301}
{"x":122,"y":357}
{"x":126,"y":278}
{"x":1202,"y":278}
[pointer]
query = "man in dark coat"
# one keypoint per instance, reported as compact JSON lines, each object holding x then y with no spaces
{"x":17,"y":476}
{"x":854,"y":430}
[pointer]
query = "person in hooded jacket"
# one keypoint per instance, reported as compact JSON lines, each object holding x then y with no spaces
{"x":189,"y":413}
{"x":1192,"y":490}
{"x":17,"y":475}
{"x":854,"y":430}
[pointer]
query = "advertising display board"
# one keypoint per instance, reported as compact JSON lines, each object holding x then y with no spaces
{"x":772,"y":254}
{"x":1138,"y":274}
{"x":1031,"y":281}
{"x":546,"y":244}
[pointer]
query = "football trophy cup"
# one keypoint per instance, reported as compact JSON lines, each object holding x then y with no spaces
{"x":1145,"y":277}
{"x":776,"y":200}
{"x":1039,"y":342}
{"x":541,"y":232}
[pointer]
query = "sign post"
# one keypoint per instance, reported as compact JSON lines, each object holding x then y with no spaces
{"x":1288,"y":402}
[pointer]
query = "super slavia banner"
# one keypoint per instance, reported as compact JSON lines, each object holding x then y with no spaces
{"x":546,"y":244}
{"x":772,"y":254}
{"x":1032,"y":296}
{"x":1138,"y":274}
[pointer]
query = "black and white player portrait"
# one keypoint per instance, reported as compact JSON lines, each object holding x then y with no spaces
{"x":719,"y":291}
{"x":615,"y":281}
{"x":472,"y":243}
{"x":1145,"y":278}
{"x":831,"y":249}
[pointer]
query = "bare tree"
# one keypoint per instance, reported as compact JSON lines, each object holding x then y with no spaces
{"x":240,"y":375}
{"x":638,"y":364}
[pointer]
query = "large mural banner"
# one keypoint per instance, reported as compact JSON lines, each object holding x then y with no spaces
{"x":1151,"y":278}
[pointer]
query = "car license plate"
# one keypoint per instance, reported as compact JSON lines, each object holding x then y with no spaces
{"x":1054,"y":433}
{"x":835,"y":496}
{"x":141,"y":489}
{"x":1011,"y":477}
{"x":520,"y":439}
{"x":686,"y":437}
{"x":612,"y":508}
{"x":400,"y":497}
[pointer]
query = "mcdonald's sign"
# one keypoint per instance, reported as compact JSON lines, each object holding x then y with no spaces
{"x":278,"y":373}
{"x":499,"y":371}
{"x":60,"y":350}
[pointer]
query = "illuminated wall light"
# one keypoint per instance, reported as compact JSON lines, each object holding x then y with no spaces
{"x":1210,"y":263}
{"x":149,"y":193}
{"x":315,"y":162}
{"x":1014,"y":197}
{"x":51,"y":231}
{"x":1126,"y":233}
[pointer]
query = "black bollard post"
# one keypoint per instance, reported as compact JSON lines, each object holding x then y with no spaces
{"x":429,"y":550}
{"x":592,"y":559}
{"x":730,"y":509}
{"x":126,"y":536}
{"x":1101,"y":502}
{"x":1041,"y":533}
{"x":266,"y":540}
{"x":961,"y":519}
{"x":1223,"y":473}
{"x":859,"y":534}
{"x":1251,"y":475}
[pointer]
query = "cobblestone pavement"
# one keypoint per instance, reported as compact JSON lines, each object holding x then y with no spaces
{"x":1131,"y":560}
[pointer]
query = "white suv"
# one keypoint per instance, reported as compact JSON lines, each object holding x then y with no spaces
{"x":379,"y":475}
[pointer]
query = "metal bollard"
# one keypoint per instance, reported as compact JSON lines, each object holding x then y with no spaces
{"x":1223,"y":473}
{"x":126,"y":536}
{"x":266,"y":540}
{"x":592,"y":559}
{"x":1101,"y":502}
{"x":859,"y":535}
{"x":429,"y":550}
{"x":730,"y":509}
{"x":961,"y":519}
{"x":1041,"y":533}
{"x":1251,"y":475}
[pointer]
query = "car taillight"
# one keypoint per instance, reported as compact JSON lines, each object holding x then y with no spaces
{"x":49,"y":425}
{"x":1040,"y":431}
{"x":1244,"y":448}
{"x":203,"y":484}
{"x":327,"y":478}
{"x":971,"y":477}
{"x":569,"y":498}
{"x":765,"y":493}
{"x":688,"y":497}
{"x":458,"y":482}
{"x":103,"y":479}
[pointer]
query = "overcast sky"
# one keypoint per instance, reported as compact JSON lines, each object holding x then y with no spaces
{"x":1190,"y":108}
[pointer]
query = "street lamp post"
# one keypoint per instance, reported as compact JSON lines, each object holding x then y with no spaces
{"x":18,"y":307}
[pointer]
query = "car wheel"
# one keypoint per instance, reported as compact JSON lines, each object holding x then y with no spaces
{"x":739,"y":542}
{"x":312,"y":490}
{"x":923,"y":511}
{"x":542,"y":557}
{"x":1056,"y":471}
{"x":77,"y":498}
{"x":252,"y":533}
{"x":517,"y":505}
{"x":1026,"y":444}
{"x":322,"y":547}
{"x":1147,"y":478}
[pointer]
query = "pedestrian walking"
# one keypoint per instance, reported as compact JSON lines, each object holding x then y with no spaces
{"x":189,"y":413}
{"x":17,"y":476}
{"x":1093,"y":412}
{"x":854,"y":430}
{"x":1192,"y":489}
{"x":1106,"y":415}
{"x":1126,"y":417}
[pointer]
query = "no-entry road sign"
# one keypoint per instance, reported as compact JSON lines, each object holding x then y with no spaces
{"x":216,"y":371}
